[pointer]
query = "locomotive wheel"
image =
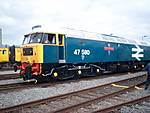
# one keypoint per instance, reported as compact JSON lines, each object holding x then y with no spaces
{"x":76,"y":75}
{"x":55,"y":76}
{"x":99,"y":72}
{"x":1,"y":66}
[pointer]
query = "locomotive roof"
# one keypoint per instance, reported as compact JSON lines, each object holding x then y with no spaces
{"x":109,"y":38}
{"x":97,"y":36}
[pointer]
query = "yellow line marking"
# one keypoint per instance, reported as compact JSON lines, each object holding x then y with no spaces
{"x":115,"y":85}
{"x":136,"y":87}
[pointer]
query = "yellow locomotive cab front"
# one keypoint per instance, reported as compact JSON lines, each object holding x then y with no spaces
{"x":4,"y":55}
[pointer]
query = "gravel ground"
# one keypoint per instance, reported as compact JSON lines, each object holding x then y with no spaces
{"x":8,"y":72}
{"x":14,"y":98}
{"x":143,"y":107}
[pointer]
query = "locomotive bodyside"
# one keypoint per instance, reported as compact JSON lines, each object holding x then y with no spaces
{"x":66,"y":57}
{"x":17,"y":54}
{"x":92,"y":51}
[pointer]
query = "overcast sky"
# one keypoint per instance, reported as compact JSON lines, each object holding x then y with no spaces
{"x":126,"y":18}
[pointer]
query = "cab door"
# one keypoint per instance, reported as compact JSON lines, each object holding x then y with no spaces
{"x":61,"y":48}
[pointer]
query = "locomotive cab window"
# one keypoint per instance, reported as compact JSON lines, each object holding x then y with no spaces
{"x":49,"y":39}
{"x":4,"y":52}
{"x":33,"y":38}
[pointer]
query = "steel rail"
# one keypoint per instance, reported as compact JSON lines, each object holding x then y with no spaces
{"x":112,"y":108}
{"x":86,"y":103}
{"x":9,"y":76}
{"x":10,"y":87}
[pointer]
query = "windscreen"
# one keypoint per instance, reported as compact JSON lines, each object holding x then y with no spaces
{"x":40,"y":38}
{"x":33,"y":38}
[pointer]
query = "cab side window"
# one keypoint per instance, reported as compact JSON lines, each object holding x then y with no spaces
{"x":49,"y":39}
{"x":52,"y":38}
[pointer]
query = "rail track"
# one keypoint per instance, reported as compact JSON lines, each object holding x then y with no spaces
{"x":13,"y":86}
{"x":9,"y":76}
{"x":79,"y":100}
{"x":6,"y":68}
{"x":25,"y":85}
{"x":121,"y":104}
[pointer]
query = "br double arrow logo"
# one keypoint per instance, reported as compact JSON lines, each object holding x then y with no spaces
{"x":138,"y":53}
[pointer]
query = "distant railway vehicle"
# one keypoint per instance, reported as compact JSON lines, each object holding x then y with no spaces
{"x":63,"y":56}
{"x":10,"y":55}
{"x":4,"y":56}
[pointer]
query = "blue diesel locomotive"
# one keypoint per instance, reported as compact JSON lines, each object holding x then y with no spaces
{"x":61,"y":56}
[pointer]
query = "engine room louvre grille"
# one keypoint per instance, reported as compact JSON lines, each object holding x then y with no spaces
{"x":27,"y":51}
